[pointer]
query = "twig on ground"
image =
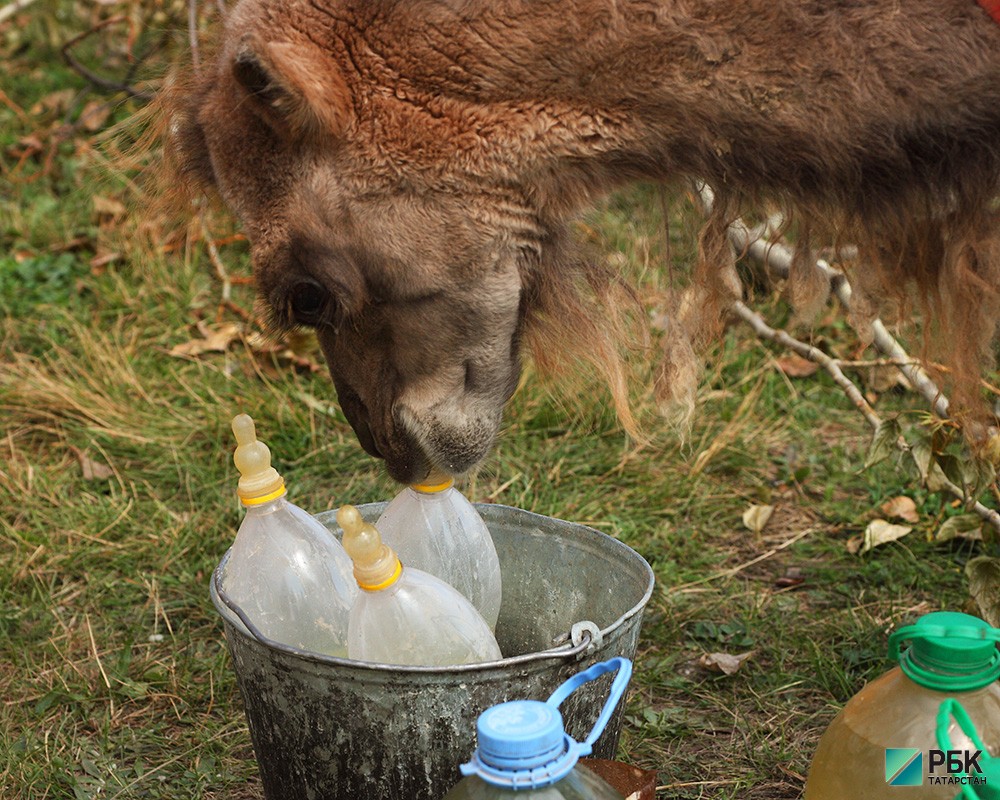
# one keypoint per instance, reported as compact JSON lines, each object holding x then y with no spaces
{"x":729,"y":573}
{"x":97,"y":80}
{"x":216,"y":259}
{"x":5,"y":100}
{"x":765,"y":331}
{"x":778,"y":259}
{"x":762,"y":329}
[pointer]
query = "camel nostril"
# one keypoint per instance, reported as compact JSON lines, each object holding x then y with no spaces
{"x":470,"y":376}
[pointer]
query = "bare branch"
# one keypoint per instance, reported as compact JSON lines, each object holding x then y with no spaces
{"x":765,"y":331}
{"x":213,"y":255}
{"x":778,"y":259}
{"x":97,"y":80}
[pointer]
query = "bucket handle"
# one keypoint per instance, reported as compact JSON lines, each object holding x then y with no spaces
{"x":624,"y":669}
{"x":577,"y":651}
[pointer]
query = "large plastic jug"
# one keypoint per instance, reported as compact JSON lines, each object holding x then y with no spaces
{"x":433,"y":527}
{"x":980,"y":777}
{"x":404,"y":615}
{"x":882,"y":739}
{"x":285,"y":570}
{"x":524,"y":752}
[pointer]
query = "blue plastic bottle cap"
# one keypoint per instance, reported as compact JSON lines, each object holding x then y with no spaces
{"x":521,"y":734}
{"x":522,"y":744}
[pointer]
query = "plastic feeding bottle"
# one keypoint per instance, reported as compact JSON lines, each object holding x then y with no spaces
{"x":285,"y":570}
{"x":885,"y":737}
{"x":979,"y":776}
{"x":524,"y":752}
{"x":433,"y":527}
{"x":404,"y":615}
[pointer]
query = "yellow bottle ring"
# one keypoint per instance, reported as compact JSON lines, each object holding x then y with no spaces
{"x":433,"y":488}
{"x":264,"y":498}
{"x":374,"y":587}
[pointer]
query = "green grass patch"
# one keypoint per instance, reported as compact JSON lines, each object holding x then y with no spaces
{"x":117,"y":495}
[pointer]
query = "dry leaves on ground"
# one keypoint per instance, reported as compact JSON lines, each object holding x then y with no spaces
{"x":726,"y":663}
{"x":877,"y":533}
{"x":795,"y":366}
{"x":756,"y":517}
{"x":901,"y":507}
{"x":214,"y":339}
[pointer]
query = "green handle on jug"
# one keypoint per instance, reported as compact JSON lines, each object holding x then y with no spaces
{"x":624,"y":668}
{"x":949,"y":709}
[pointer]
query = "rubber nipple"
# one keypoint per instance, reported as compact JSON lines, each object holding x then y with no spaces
{"x":375,"y":564}
{"x":259,"y":481}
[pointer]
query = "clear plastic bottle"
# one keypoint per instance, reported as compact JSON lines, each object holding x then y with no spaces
{"x":288,"y":574}
{"x":981,"y":784}
{"x":404,"y":615}
{"x":433,"y":527}
{"x":524,"y":752}
{"x":950,"y":655}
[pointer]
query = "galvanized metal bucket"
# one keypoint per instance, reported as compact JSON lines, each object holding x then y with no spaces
{"x":328,"y":728}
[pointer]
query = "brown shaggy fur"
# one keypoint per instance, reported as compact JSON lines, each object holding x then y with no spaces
{"x":381,"y":153}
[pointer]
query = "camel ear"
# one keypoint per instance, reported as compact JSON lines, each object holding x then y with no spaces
{"x":295,"y":86}
{"x":320,"y":99}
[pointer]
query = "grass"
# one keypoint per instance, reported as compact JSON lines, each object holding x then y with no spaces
{"x":117,"y":496}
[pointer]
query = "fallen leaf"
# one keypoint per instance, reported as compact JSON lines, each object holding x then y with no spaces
{"x":854,"y":544}
{"x":984,"y":586}
{"x":215,"y":340}
{"x":32,"y":144}
{"x":884,"y":441}
{"x":796,"y":366}
{"x":101,"y":260}
{"x":961,"y":526}
{"x":93,"y":470}
{"x":94,"y":115}
{"x":286,"y":351}
{"x":901,"y":507}
{"x":793,"y":577}
{"x":755,"y":518}
{"x":54,"y":101}
{"x":880,"y":532}
{"x":724,"y":662}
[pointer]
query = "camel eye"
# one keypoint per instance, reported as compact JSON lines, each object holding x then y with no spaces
{"x":308,"y":303}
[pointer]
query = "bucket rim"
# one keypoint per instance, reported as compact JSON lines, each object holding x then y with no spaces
{"x":578,"y":647}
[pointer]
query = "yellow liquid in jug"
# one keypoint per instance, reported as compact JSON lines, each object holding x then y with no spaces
{"x":892,"y":711}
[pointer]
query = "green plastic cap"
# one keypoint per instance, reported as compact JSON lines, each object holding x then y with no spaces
{"x":949,"y":652}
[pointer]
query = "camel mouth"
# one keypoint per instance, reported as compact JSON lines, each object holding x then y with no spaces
{"x":452,"y":442}
{"x":404,"y":458}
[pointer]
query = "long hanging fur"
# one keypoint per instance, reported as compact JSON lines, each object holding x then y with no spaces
{"x":870,"y":122}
